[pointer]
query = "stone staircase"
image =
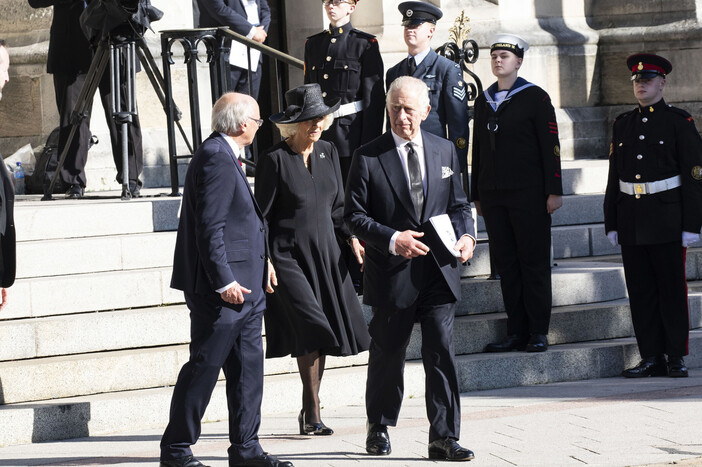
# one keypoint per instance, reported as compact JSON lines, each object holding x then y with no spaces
{"x":93,"y":337}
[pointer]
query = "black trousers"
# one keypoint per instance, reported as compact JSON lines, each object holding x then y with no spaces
{"x":390,"y":332}
{"x":227,"y":338}
{"x":519,"y":229}
{"x":67,"y":88}
{"x":655,"y":279}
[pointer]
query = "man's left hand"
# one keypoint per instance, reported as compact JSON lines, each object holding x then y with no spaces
{"x":466,"y":245}
{"x":553,"y":202}
{"x":272,"y":278}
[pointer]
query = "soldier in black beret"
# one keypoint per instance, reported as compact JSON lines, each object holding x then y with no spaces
{"x":653,"y":209}
{"x":516,"y":186}
{"x":448,"y":116}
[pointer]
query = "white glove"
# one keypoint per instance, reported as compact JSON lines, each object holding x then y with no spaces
{"x":689,"y":238}
{"x":613,"y":237}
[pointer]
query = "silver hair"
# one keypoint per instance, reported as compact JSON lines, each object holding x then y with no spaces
{"x":228,"y":115}
{"x":288,"y":130}
{"x":414,"y":85}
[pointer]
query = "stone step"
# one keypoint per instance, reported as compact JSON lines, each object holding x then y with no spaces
{"x":108,"y":369}
{"x":78,"y":293}
{"x":98,"y":216}
{"x":108,"y":413}
{"x":42,"y":258}
{"x":572,"y":282}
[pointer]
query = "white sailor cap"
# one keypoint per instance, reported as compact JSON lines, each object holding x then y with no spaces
{"x":511,"y":42}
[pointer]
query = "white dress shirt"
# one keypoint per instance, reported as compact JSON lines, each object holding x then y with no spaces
{"x":237,"y":151}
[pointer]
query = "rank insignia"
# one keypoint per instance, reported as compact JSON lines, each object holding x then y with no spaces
{"x":461,"y":143}
{"x":459,"y":93}
{"x":697,"y":172}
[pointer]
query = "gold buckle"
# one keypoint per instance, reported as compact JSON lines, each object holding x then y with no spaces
{"x":639,"y":188}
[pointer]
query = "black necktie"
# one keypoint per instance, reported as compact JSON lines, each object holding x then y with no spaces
{"x":412,"y":65}
{"x":415,"y":178}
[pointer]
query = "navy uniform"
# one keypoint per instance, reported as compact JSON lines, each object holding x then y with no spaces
{"x":448,"y":117}
{"x":653,"y":208}
{"x":346,"y":63}
{"x":515,"y":168}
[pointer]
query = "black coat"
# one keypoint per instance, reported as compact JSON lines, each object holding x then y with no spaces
{"x":448,"y":116}
{"x":526,"y":151}
{"x":378,"y":204}
{"x":668,"y":144}
{"x":231,"y":13}
{"x":69,"y":50}
{"x":7,"y":228}
{"x":315,"y":306}
{"x":346,"y":63}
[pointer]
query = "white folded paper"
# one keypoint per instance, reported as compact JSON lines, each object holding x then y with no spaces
{"x":237,"y":56}
{"x":444,"y":229}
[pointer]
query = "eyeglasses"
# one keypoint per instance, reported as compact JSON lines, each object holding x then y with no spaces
{"x":259,"y":121}
{"x":334,"y":2}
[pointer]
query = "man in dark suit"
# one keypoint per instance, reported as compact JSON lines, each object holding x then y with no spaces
{"x":250,"y":18}
{"x":68,"y":61}
{"x":447,"y":91}
{"x":7,"y":201}
{"x":220,"y":265}
{"x":397,"y":183}
{"x":653,"y":209}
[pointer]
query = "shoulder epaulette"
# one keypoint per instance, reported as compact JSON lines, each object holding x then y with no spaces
{"x":624,"y":114}
{"x":363,"y":34}
{"x":679,"y":111}
{"x":321,"y":33}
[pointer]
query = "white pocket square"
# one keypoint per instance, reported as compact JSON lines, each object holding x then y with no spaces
{"x":446,"y":172}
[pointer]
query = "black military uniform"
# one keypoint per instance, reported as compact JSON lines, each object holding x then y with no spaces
{"x":515,"y":167}
{"x":346,"y":63}
{"x":654,"y":194}
{"x":448,"y":116}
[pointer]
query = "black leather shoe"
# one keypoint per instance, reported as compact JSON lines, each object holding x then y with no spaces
{"x":74,"y":192}
{"x":187,"y":461}
{"x":378,"y":440}
{"x":649,"y":366}
{"x":448,"y":449}
{"x":676,"y":367}
{"x":319,"y":429}
{"x":264,"y":460}
{"x":537,"y":343}
{"x":510,"y":343}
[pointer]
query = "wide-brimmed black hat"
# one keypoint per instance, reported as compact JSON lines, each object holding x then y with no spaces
{"x":305,"y":103}
{"x":645,"y":66}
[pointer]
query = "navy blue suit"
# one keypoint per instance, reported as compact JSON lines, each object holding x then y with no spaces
{"x":447,"y":92}
{"x":404,"y":291}
{"x":231,"y":13}
{"x":221,"y":239}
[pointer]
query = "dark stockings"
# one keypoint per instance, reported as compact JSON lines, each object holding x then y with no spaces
{"x":311,"y":370}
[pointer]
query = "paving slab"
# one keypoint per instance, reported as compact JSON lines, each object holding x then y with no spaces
{"x":603,"y":422}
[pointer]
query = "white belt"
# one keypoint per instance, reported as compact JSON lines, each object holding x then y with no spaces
{"x":348,"y":109}
{"x":649,"y":188}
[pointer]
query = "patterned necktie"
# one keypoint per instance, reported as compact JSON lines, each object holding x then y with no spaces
{"x":412,"y":65}
{"x":415,"y":177}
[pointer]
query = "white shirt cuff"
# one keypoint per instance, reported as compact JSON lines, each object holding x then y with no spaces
{"x":392,"y":243}
{"x":228,"y":286}
{"x":251,"y":33}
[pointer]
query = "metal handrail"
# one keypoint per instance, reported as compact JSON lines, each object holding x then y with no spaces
{"x":264,"y":49}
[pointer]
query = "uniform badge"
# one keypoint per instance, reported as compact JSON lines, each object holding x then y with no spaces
{"x":557,"y":151}
{"x":461,"y":143}
{"x":446,"y":172}
{"x":640,"y":66}
{"x":409,"y":13}
{"x":650,"y":109}
{"x":322,"y":155}
{"x":697,"y":172}
{"x":459,"y":93}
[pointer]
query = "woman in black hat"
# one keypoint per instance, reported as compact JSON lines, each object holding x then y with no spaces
{"x":314,"y":311}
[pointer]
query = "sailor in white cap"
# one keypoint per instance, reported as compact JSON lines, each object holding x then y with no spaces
{"x":516,"y":186}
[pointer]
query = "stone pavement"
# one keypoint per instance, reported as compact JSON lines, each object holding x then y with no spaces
{"x":607,"y":422}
